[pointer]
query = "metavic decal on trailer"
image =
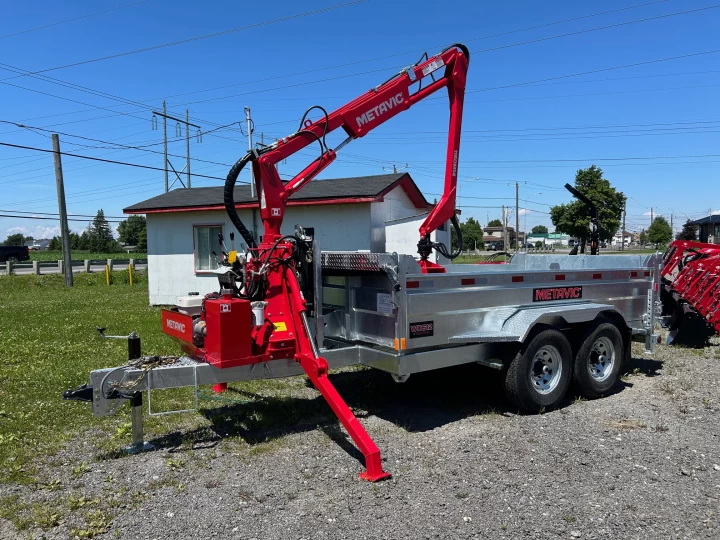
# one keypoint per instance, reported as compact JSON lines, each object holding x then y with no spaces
{"x":421,"y":329}
{"x":174,"y":325}
{"x":547,"y":294}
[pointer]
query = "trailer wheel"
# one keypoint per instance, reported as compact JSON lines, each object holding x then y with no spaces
{"x":539,"y":375}
{"x":599,"y":360}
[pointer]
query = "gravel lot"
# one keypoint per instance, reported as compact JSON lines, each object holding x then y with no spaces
{"x":641,"y":463}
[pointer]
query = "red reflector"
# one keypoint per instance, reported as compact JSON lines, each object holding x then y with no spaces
{"x":633,"y":274}
{"x":647,"y":274}
{"x":518,"y":279}
{"x":597,"y":276}
{"x":412,"y":284}
{"x":559,"y":277}
{"x":468,"y":281}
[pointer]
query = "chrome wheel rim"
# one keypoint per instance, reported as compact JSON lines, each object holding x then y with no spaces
{"x":546,"y":369}
{"x":602,"y":358}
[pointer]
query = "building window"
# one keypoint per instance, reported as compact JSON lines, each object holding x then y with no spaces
{"x":206,"y":241}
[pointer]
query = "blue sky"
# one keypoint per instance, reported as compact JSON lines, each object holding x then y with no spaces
{"x":529,"y":117}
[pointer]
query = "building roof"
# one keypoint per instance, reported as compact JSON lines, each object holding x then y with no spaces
{"x":499,"y":229}
{"x":714,"y":218}
{"x":360,"y":189}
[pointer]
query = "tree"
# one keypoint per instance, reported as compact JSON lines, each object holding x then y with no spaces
{"x":55,"y":244}
{"x":574,"y":218}
{"x":14,"y":240}
{"x":472,"y":234}
{"x":689,"y":232}
{"x":539,"y":229}
{"x":29,"y":239}
{"x":643,"y":237}
{"x":142,"y":240}
{"x":659,"y":231}
{"x":130,"y":229}
{"x":495,"y":223}
{"x":100,"y":237}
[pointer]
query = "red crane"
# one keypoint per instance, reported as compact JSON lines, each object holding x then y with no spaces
{"x":272,"y":275}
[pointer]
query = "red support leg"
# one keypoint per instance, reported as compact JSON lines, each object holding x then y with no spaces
{"x":219,"y":388}
{"x":317,"y":371}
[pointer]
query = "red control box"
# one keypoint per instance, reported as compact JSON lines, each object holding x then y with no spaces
{"x":228,"y":342}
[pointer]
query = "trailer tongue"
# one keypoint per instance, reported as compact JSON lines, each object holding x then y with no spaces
{"x":287,"y":308}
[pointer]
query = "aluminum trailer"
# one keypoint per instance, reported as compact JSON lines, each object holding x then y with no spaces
{"x":542,"y":320}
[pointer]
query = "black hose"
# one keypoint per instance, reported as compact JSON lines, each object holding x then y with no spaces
{"x":442,"y":248}
{"x":229,"y":199}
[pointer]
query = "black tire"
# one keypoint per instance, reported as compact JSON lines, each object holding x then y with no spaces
{"x":599,"y":360}
{"x":527,"y":385}
{"x":12,"y":258}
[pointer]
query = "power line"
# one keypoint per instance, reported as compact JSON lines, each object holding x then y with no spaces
{"x":51,"y":218}
{"x":56,"y":214}
{"x":72,"y":20}
{"x":206,"y":36}
{"x":574,"y":160}
{"x":106,"y":160}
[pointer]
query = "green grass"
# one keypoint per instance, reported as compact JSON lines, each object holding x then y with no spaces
{"x":78,"y":255}
{"x":48,"y":343}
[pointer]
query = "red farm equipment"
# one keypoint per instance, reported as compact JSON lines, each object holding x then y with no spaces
{"x":690,"y":292}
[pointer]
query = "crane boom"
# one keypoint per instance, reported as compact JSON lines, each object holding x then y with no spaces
{"x":357,"y":118}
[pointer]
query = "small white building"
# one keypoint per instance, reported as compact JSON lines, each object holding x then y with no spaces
{"x":373,"y":213}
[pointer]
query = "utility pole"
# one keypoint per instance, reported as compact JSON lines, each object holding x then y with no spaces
{"x":517,"y":216}
{"x":652,"y":217}
{"x":64,"y":232}
{"x":187,"y":145}
{"x":622,"y":234}
{"x":671,"y":224}
{"x":178,"y":133}
{"x":165,"y":162}
{"x":250,"y":132}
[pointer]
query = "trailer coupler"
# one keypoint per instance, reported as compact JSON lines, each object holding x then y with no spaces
{"x":81,"y":393}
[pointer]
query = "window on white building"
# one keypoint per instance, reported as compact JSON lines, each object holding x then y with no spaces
{"x":206,"y":241}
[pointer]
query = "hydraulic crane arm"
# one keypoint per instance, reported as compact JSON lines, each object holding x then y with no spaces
{"x":357,"y":119}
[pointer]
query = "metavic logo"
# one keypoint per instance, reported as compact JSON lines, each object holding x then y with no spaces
{"x":379,"y":110}
{"x":422,"y":329}
{"x":174,"y":325}
{"x":455,"y":162}
{"x":557,"y":293}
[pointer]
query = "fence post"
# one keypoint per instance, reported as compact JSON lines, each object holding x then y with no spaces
{"x":60,"y":266}
{"x":110,"y":264}
{"x":9,"y":267}
{"x":132,"y":263}
{"x":87,"y":265}
{"x":36,"y":268}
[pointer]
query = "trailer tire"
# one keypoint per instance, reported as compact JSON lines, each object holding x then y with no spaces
{"x":538,"y":376}
{"x":599,"y":360}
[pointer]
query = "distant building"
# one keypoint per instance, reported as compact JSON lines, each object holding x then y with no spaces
{"x":495,"y":234}
{"x":624,"y":237}
{"x":709,"y":228}
{"x":549,"y":239}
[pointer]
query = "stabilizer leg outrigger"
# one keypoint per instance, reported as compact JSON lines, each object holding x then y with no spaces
{"x":316,"y":368}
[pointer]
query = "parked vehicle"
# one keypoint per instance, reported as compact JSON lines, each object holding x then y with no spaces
{"x":496,"y":246}
{"x":14,"y":253}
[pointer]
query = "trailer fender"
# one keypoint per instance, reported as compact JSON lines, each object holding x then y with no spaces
{"x":524,"y":320}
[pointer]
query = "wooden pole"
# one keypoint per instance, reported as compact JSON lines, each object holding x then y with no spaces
{"x":64,"y":231}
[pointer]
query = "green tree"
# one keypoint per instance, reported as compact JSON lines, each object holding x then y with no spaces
{"x":494,"y":223}
{"x":659,"y":231}
{"x":643,"y":237}
{"x":29,"y":239}
{"x":688,"y":232}
{"x":472,"y":234}
{"x":539,"y":229}
{"x":142,"y":240}
{"x":55,"y":244}
{"x":130,"y":229}
{"x":14,"y":240}
{"x":100,"y":235}
{"x":574,"y":218}
{"x":84,"y":242}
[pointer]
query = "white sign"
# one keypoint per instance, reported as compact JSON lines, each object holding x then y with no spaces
{"x":384,"y":303}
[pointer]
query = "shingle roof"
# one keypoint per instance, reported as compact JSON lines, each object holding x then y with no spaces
{"x":361,"y":187}
{"x":714,"y":218}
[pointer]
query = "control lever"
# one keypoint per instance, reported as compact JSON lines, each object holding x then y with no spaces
{"x":232,"y":240}
{"x":222,"y":243}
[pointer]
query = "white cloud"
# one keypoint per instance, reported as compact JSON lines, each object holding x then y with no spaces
{"x":36,"y":231}
{"x":715,"y":212}
{"x":648,"y":214}
{"x":523,"y":211}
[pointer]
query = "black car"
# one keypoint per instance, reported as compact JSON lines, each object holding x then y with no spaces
{"x":14,"y":253}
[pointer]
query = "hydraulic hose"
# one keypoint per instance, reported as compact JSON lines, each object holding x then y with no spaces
{"x":229,"y":199}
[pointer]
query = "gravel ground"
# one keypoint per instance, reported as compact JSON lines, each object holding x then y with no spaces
{"x":641,"y":463}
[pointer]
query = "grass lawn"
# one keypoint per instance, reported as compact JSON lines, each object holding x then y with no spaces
{"x":48,"y":343}
{"x":78,"y":255}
